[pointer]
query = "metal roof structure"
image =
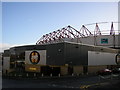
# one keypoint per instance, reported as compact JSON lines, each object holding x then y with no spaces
{"x":71,"y":33}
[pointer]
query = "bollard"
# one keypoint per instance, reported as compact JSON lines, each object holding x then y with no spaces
{"x":72,"y":74}
{"x":59,"y":75}
{"x":15,"y":74}
{"x":51,"y":75}
{"x":82,"y":73}
{"x":27,"y":74}
{"x":34,"y":74}
{"x":42,"y":75}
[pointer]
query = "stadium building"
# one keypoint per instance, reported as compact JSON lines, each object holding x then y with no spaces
{"x":66,"y":51}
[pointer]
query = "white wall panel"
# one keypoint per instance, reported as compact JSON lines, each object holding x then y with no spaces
{"x":101,"y":58}
{"x":6,"y":63}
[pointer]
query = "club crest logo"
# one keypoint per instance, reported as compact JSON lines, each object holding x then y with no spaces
{"x":118,"y":59}
{"x":34,"y":57}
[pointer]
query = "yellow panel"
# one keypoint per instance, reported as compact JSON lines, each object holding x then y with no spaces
{"x":34,"y":69}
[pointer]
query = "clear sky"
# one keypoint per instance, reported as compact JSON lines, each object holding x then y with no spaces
{"x":26,"y":22}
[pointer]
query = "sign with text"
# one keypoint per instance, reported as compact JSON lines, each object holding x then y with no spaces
{"x":104,"y":40}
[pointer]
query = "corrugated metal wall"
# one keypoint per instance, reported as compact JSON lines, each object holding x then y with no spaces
{"x":62,"y":53}
{"x":55,"y":54}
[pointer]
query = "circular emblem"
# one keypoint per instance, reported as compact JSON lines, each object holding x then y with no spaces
{"x":34,"y":57}
{"x":118,"y":59}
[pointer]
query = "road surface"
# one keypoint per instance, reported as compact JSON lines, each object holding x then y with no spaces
{"x":60,"y":82}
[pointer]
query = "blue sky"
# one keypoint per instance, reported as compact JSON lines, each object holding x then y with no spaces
{"x":26,"y":22}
